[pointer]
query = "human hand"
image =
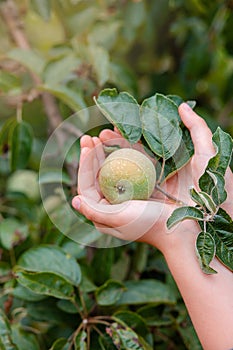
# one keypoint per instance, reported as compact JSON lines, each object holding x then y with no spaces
{"x":144,"y":220}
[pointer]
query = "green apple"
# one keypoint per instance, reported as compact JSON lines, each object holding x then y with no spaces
{"x":127,"y":174}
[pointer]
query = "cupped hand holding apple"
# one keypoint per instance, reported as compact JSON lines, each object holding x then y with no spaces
{"x":142,"y":220}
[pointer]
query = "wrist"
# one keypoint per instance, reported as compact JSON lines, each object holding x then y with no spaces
{"x":175,"y":241}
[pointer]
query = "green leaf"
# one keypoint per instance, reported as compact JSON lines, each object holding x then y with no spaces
{"x":109,"y":293}
{"x":102,"y":264}
{"x":9,"y":83}
{"x":6,"y":130}
{"x":205,"y":249}
{"x":21,"y":145}
{"x":180,"y":158}
{"x":212,"y":181}
{"x":67,"y":306}
{"x":122,"y":110}
{"x":55,"y":260}
{"x":222,"y":231}
{"x":99,"y":58}
{"x":48,"y":311}
{"x":203,"y":199}
{"x":6,"y":342}
{"x":28,"y":58}
{"x":153,"y":315}
{"x":42,"y":7}
{"x":23,"y":339}
{"x":5,"y":268}
{"x":189,"y":335}
{"x":105,"y":342}
{"x":218,"y":191}
{"x":160,"y":125}
{"x":125,"y":337}
{"x":60,"y":344}
{"x":46,"y":284}
{"x":70,"y":97}
{"x":224,"y":247}
{"x":26,"y":294}
{"x":178,"y":100}
{"x":224,"y":144}
{"x":80,"y":341}
{"x":12,"y":232}
{"x":133,"y":320}
{"x":146,"y":291}
{"x":184,"y":213}
{"x":54,"y":176}
{"x":223,"y":221}
{"x":61,"y":69}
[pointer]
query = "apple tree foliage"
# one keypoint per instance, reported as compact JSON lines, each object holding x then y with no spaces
{"x":58,"y":58}
{"x":157,"y":124}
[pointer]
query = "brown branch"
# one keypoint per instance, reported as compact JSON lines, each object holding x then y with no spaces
{"x":11,"y":17}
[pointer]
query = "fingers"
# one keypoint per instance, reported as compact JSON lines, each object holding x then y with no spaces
{"x":112,"y":138}
{"x":200,"y":132}
{"x":90,"y":159}
{"x":100,"y":212}
{"x":130,"y":219}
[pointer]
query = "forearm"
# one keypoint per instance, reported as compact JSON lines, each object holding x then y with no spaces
{"x":208,"y":298}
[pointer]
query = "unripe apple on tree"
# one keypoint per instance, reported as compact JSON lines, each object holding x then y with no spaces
{"x":127,"y":174}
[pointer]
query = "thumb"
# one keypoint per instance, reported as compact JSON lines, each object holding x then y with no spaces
{"x":200,"y":133}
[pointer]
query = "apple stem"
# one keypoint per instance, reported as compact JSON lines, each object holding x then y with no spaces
{"x":170,"y":196}
{"x":161,"y":172}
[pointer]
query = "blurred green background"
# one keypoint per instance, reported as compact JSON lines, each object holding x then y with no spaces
{"x":55,"y":56}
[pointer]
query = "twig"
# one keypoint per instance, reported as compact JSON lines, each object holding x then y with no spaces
{"x":170,"y":196}
{"x":11,"y":17}
{"x":161,"y":172}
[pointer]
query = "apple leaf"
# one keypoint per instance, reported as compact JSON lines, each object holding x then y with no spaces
{"x":205,"y":250}
{"x":30,"y":59}
{"x":160,"y":125}
{"x":178,"y":100}
{"x":222,"y":231}
{"x":183,"y":213}
{"x":181,"y":157}
{"x":203,"y":199}
{"x":43,"y":8}
{"x":223,"y":143}
{"x":122,"y":110}
{"x":80,"y":341}
{"x":60,"y":344}
{"x":46,"y":284}
{"x":212,"y":181}
{"x":55,"y":261}
{"x":109,"y":293}
{"x":146,"y":291}
{"x":6,"y":342}
{"x":21,"y":145}
{"x":124,"y":337}
{"x":24,"y":339}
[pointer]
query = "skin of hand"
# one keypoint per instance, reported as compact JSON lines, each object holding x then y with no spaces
{"x":208,"y":298}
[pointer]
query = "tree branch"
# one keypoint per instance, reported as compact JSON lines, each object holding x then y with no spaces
{"x":11,"y":17}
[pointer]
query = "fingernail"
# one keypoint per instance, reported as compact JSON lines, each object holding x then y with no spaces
{"x":76,"y":203}
{"x":186,"y":107}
